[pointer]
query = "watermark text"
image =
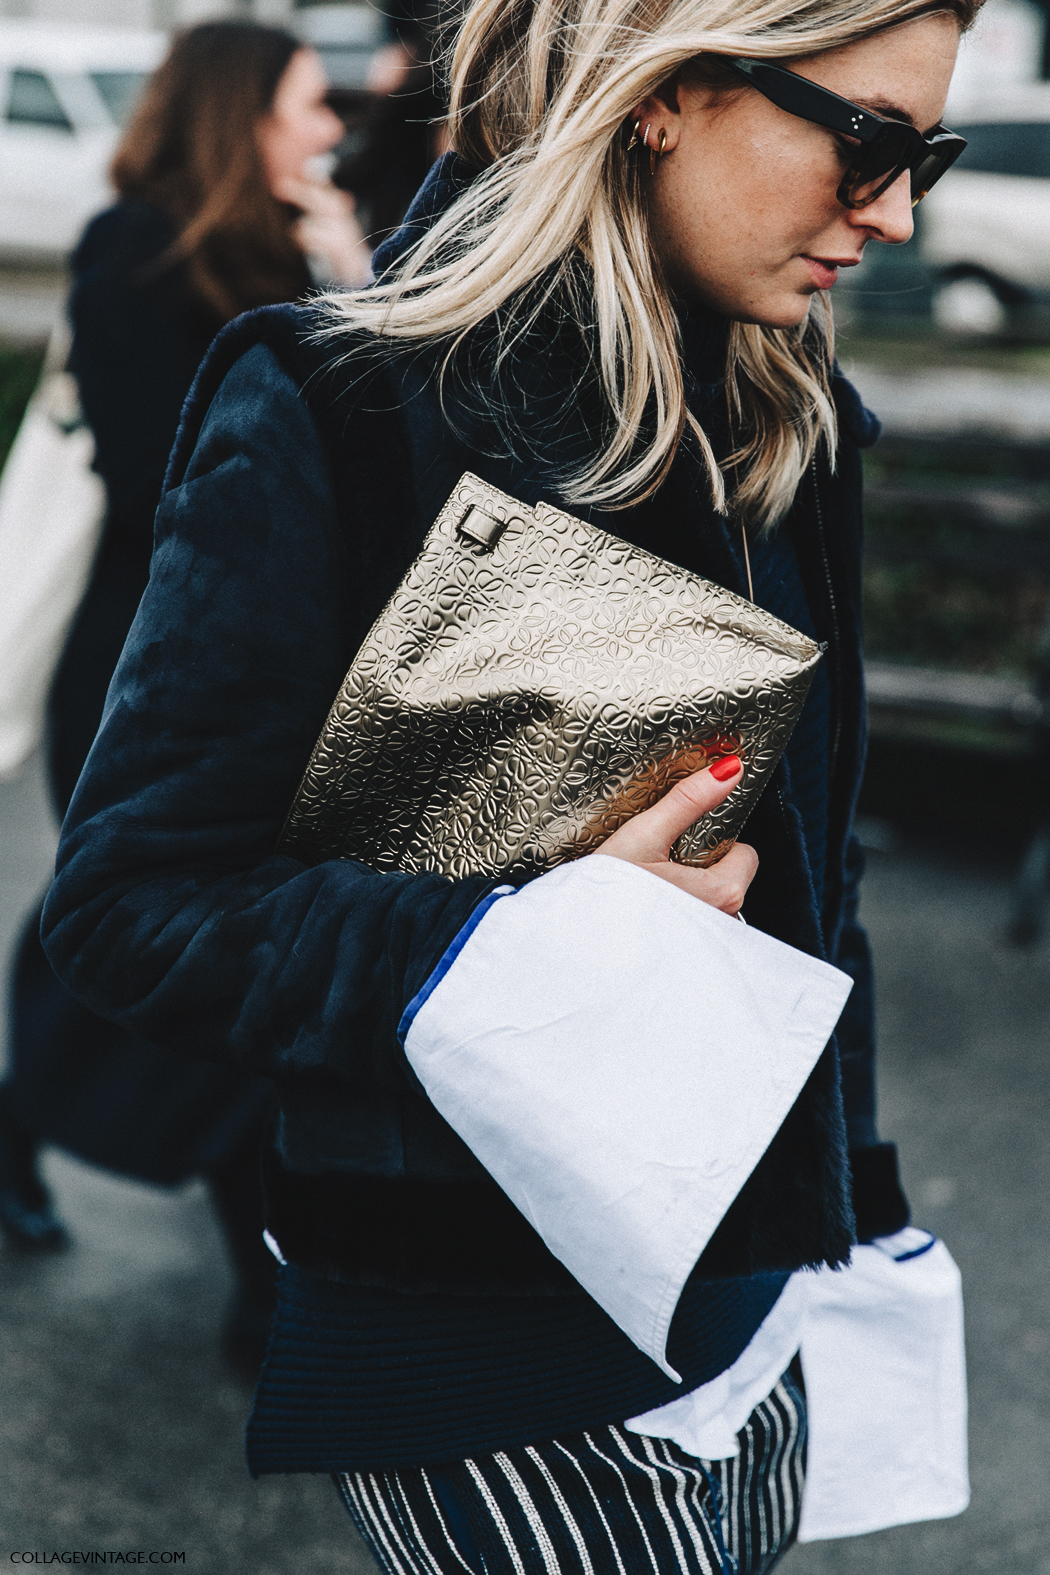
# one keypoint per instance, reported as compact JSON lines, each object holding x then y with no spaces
{"x":96,"y":1556}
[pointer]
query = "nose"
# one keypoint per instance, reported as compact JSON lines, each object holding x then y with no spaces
{"x":889,"y":217}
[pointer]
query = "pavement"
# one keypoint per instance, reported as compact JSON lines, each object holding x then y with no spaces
{"x":120,"y":1429}
{"x":964,"y":1091}
{"x":31,"y":302}
{"x":956,"y":402}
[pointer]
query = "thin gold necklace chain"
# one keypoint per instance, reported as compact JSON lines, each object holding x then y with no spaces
{"x":747,"y":563}
{"x":743,"y":532}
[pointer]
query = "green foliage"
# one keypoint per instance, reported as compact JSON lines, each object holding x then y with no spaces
{"x":976,"y":621}
{"x":942,"y":590}
{"x":19,"y":370}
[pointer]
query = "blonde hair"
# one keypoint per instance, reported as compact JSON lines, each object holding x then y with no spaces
{"x":541,"y":90}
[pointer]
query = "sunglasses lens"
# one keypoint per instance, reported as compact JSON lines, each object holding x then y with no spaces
{"x":867,"y":184}
{"x":924,"y":175}
{"x":884,"y":161}
{"x":878,"y":164}
{"x":930,"y":169}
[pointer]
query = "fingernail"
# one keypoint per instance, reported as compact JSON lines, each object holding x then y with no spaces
{"x":725,"y":768}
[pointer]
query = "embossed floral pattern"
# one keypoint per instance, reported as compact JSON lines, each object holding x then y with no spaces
{"x":518,"y":699}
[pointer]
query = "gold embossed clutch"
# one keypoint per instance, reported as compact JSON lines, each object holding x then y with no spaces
{"x":531,"y":684}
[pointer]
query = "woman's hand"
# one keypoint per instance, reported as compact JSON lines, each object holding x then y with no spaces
{"x":646,"y":839}
{"x":328,"y":229}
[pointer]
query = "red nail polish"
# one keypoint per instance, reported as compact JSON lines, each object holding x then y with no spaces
{"x":725,"y":768}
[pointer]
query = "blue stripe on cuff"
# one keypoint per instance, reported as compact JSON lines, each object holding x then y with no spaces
{"x":448,"y":957}
{"x":916,"y":1252}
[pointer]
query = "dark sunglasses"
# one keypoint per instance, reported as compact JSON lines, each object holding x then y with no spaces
{"x":886,"y":148}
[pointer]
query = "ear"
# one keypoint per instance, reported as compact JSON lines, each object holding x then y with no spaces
{"x":660,"y":112}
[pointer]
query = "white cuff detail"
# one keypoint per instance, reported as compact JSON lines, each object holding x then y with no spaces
{"x":619,"y":1056}
{"x":706,"y":1421}
{"x":885,"y":1372}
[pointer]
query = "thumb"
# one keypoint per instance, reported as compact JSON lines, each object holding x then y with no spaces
{"x":648,"y":837}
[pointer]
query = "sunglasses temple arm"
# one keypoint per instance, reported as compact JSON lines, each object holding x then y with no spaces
{"x":808,"y":100}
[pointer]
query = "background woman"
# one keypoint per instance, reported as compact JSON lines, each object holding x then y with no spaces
{"x":218,"y":211}
{"x":611,"y":296}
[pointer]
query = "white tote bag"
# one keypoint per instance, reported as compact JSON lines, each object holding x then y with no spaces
{"x":51,"y":511}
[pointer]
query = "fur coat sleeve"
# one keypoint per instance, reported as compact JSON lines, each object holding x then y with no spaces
{"x":170,"y":912}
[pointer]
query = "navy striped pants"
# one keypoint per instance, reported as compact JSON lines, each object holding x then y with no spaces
{"x":603,"y":1502}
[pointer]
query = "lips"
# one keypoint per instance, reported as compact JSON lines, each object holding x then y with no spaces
{"x":825,"y":270}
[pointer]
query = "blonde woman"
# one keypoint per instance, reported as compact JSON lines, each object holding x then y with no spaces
{"x":613,"y":295}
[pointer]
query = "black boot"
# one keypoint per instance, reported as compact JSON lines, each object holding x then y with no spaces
{"x":28,"y":1220}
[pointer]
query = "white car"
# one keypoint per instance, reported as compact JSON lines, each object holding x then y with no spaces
{"x":985,"y":228}
{"x":65,"y":92}
{"x":345,"y":36}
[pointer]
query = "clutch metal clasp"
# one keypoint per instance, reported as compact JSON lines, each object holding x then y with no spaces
{"x":483,"y":528}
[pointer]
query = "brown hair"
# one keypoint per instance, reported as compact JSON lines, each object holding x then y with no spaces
{"x":191,"y":149}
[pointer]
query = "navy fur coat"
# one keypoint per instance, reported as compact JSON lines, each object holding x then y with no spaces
{"x":298,"y":493}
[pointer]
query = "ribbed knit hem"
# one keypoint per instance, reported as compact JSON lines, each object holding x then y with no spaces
{"x":358,"y":1379}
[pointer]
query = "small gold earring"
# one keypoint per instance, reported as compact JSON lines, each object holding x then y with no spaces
{"x":635,"y":138}
{"x":655,"y":153}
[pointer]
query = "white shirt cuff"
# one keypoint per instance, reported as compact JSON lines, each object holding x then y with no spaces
{"x":619,"y":1056}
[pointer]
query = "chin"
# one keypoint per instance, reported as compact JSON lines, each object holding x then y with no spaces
{"x":789,"y":310}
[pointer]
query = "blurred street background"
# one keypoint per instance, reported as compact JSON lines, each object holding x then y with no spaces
{"x":120,"y":1427}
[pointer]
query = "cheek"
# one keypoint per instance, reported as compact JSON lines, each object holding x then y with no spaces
{"x":301,"y":141}
{"x":738,"y":200}
{"x":787,"y":186}
{"x":725,"y":220}
{"x":312,"y":132}
{"x":741,"y":197}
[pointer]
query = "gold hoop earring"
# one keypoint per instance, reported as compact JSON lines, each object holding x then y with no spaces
{"x":635,"y":138}
{"x":655,"y":153}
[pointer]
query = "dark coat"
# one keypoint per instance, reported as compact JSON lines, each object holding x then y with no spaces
{"x":298,"y":493}
{"x":138,"y":340}
{"x":75,"y":1078}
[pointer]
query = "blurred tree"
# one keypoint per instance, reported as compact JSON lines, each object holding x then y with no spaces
{"x":19,"y":370}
